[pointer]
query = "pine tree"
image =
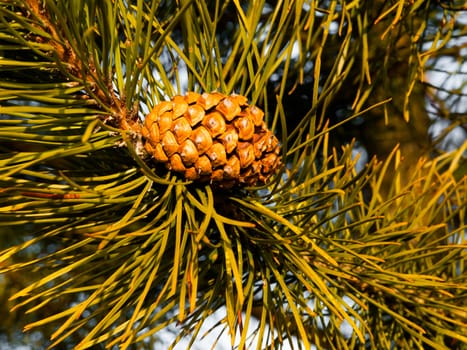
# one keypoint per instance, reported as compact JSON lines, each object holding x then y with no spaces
{"x":255,"y":206}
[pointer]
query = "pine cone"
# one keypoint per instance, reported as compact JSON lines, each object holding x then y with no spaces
{"x":212,"y":137}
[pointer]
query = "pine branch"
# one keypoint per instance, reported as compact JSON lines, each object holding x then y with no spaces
{"x":125,"y":249}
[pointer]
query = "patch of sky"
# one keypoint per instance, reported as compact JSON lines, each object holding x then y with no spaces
{"x":219,"y":339}
{"x":447,"y":75}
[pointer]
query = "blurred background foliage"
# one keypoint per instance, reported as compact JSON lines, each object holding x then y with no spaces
{"x":98,"y":250}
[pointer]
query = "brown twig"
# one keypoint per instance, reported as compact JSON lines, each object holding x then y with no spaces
{"x":120,"y":117}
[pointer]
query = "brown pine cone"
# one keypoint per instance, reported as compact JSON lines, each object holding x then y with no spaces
{"x":212,"y":137}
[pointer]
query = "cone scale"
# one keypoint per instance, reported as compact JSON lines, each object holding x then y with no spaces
{"x":212,"y":137}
